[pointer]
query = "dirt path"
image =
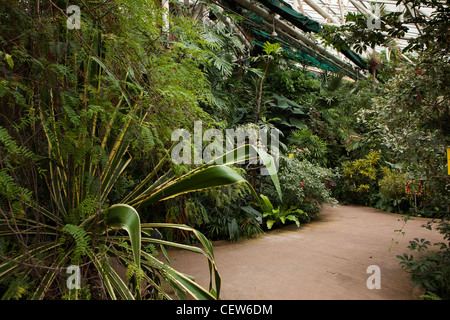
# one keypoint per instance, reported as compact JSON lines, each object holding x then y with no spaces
{"x":325,"y":259}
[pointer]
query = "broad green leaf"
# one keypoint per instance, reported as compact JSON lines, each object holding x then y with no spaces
{"x":268,"y":207}
{"x":209,"y":177}
{"x":297,"y":123}
{"x":250,"y":152}
{"x":182,"y":280}
{"x":297,"y":111}
{"x":270,"y":223}
{"x":251,"y":211}
{"x":125,"y":217}
{"x":208,"y":252}
{"x":293,"y":218}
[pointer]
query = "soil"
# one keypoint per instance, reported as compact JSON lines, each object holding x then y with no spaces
{"x":328,"y":258}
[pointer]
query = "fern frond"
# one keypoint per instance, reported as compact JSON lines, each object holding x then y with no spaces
{"x":134,"y":271}
{"x":11,"y":190}
{"x":11,"y":145}
{"x":81,"y":238}
{"x":16,"y":288}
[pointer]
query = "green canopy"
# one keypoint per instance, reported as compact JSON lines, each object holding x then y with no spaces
{"x":285,"y":10}
{"x":295,"y":51}
{"x":301,"y":21}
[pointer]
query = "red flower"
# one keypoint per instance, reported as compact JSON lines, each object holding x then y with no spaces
{"x":419,"y":72}
{"x":302,"y":184}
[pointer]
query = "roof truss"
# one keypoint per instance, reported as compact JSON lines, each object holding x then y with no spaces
{"x":323,"y":12}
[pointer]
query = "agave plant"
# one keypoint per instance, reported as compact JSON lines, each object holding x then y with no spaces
{"x":69,"y":121}
{"x":66,"y":243}
{"x":76,"y":225}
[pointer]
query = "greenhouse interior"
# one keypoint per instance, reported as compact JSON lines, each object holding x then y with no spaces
{"x":224,"y":150}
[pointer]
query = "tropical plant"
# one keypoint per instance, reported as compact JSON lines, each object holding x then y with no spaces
{"x":392,"y":189}
{"x":359,"y":179}
{"x":308,"y":146}
{"x":286,"y":114}
{"x":303,"y":186}
{"x":222,"y":213}
{"x":272,"y":51}
{"x":279,"y":215}
{"x":430,"y":268}
{"x":68,"y":237}
{"x":293,"y":83}
{"x":411,"y":121}
{"x":69,"y":131}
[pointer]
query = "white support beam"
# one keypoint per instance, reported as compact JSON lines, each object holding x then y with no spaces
{"x":300,"y":6}
{"x":328,"y":7}
{"x":342,"y":11}
{"x":165,"y":5}
{"x":299,"y":36}
{"x":320,"y":11}
{"x":363,"y":10}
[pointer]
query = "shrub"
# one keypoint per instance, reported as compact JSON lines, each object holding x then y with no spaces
{"x":358,"y":182}
{"x":430,"y":271}
{"x":392,"y":191}
{"x":310,"y":146}
{"x":73,"y":120}
{"x":436,"y":200}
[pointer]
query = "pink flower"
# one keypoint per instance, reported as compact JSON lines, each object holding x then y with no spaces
{"x":299,"y":150}
{"x":302,"y":184}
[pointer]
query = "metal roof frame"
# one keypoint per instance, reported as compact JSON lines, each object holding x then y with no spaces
{"x":303,"y":39}
{"x":298,"y":17}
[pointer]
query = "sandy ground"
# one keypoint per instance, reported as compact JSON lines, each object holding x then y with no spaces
{"x":324,"y":259}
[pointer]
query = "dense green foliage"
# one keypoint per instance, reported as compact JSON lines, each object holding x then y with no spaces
{"x":431,"y":270}
{"x":85,"y":139}
{"x":409,"y":126}
{"x":77,"y":108}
